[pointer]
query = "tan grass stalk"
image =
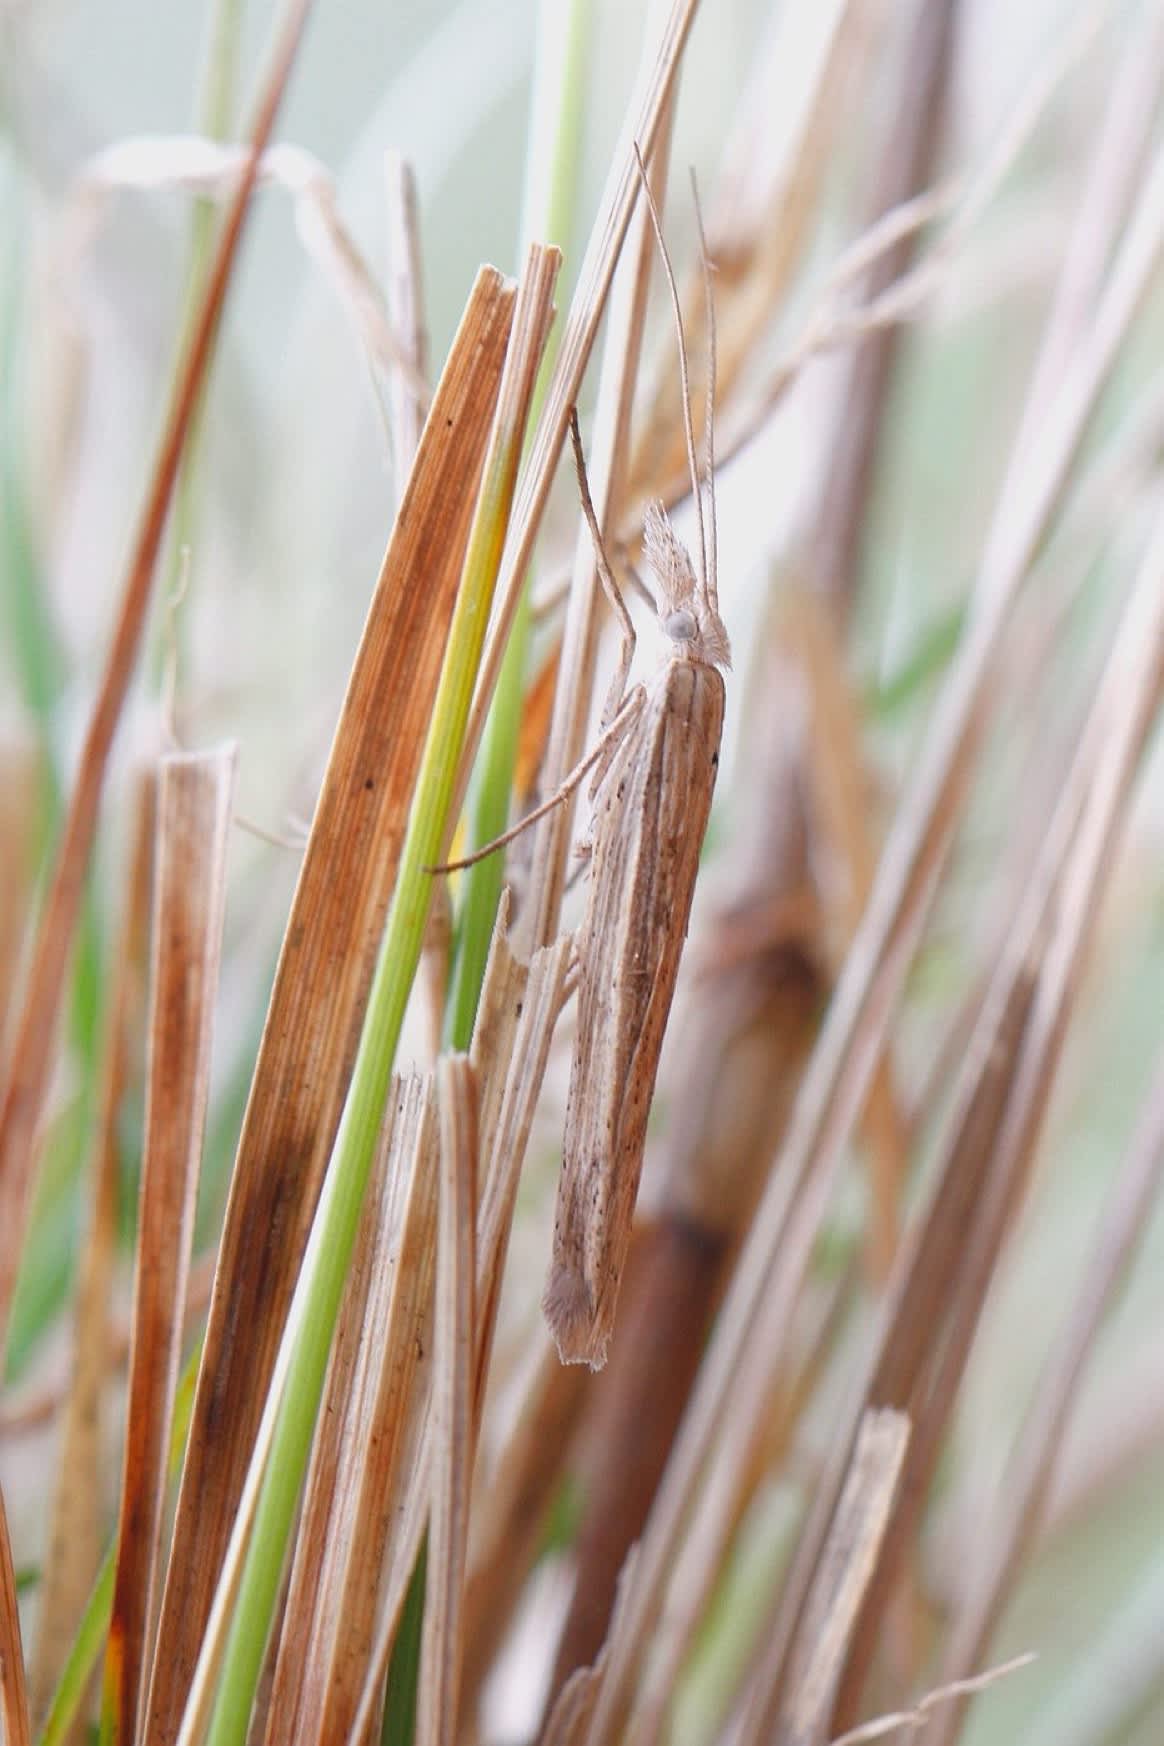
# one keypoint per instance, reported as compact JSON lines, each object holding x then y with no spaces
{"x":324,"y":971}
{"x":17,"y":1729}
{"x":907,"y":166}
{"x":78,"y":1527}
{"x":383,"y":1340}
{"x":406,"y":408}
{"x":454,"y":1432}
{"x":584,"y":607}
{"x":839,"y":786}
{"x":189,"y":906}
{"x":843,"y":1574}
{"x":516,"y":1015}
{"x":32,"y":1047}
{"x":1051,"y":935}
{"x":1013,"y":1523}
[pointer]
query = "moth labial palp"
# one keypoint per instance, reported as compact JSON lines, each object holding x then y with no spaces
{"x":651,"y":807}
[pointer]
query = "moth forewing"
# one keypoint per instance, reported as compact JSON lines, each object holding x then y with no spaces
{"x":648,"y":829}
{"x":649,"y":822}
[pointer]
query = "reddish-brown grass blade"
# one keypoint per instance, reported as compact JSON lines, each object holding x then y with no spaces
{"x":194,"y":798}
{"x":33,"y":1043}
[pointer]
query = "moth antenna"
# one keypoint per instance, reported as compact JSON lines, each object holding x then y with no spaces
{"x":711,"y":578}
{"x":684,"y":375}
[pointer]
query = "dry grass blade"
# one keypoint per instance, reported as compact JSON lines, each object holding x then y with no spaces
{"x":19,"y":775}
{"x":905,"y":169}
{"x":454,"y":1434}
{"x":1108,"y":191}
{"x":916,"y":1717}
{"x":32,"y":1047}
{"x":836,"y":321}
{"x":406,"y":407}
{"x":842,"y":1578}
{"x":189,"y":906}
{"x":378,"y":1372}
{"x":209,"y":170}
{"x":742,"y":1464}
{"x":78,"y":1526}
{"x":852,"y":1039}
{"x":516,"y":1014}
{"x":641,"y":130}
{"x":672,"y":1279}
{"x":579,"y":647}
{"x":761,"y":217}
{"x":569,"y":1720}
{"x":1018,"y":1514}
{"x":845,"y":859}
{"x":507,"y":1530}
{"x":16,"y":1729}
{"x":324,"y":972}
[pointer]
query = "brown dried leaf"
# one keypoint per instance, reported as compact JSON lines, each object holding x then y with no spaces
{"x":379,"y":1371}
{"x":189,"y":906}
{"x":453,"y":1417}
{"x":17,"y":1730}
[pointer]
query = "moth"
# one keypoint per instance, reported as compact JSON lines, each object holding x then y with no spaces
{"x":656,"y":766}
{"x":652,"y":799}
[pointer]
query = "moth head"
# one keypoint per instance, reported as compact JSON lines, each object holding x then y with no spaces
{"x":685,"y":611}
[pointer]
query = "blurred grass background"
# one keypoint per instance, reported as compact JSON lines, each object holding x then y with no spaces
{"x":293,"y":500}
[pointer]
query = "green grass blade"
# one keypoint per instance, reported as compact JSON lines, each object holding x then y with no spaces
{"x":552,"y":159}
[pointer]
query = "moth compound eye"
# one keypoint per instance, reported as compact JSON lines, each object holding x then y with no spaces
{"x":681,"y":626}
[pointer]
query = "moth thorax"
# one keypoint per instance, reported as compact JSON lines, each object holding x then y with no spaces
{"x":681,"y":625}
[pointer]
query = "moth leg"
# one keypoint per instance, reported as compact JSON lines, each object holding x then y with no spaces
{"x":610,"y":587}
{"x":600,"y":754}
